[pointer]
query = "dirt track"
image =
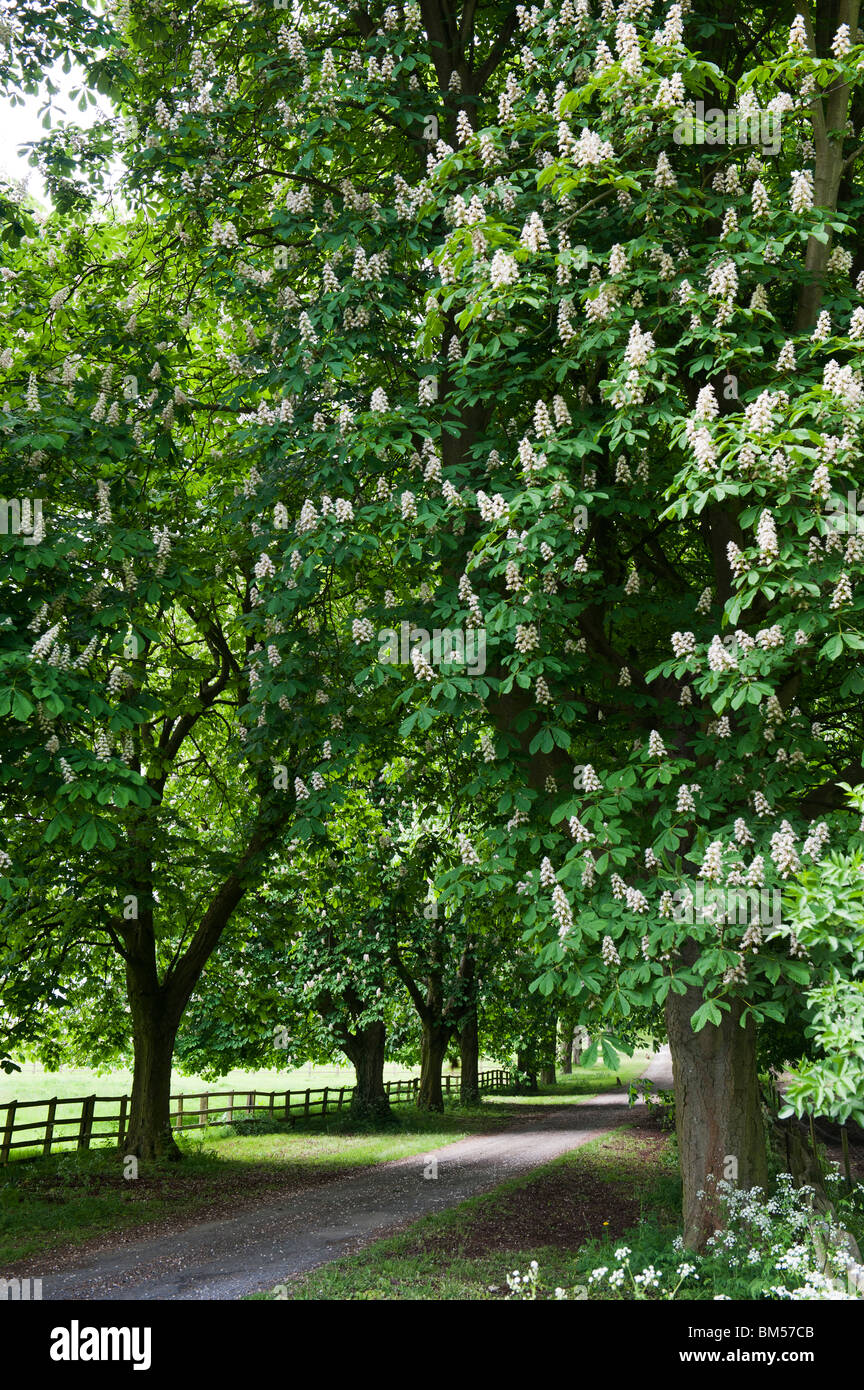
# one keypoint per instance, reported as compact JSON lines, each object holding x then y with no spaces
{"x":258,"y":1248}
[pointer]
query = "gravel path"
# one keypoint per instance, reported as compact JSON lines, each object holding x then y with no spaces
{"x":257,"y":1249}
{"x":659,"y":1069}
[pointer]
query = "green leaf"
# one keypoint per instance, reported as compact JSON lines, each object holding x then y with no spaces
{"x":55,"y":828}
{"x":90,"y":834}
{"x":21,"y":706}
{"x":706,"y":1013}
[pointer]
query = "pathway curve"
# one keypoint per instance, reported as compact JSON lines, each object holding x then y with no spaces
{"x":257,"y":1249}
{"x":659,"y":1069}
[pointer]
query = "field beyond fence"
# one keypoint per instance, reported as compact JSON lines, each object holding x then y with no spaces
{"x":81,"y":1128}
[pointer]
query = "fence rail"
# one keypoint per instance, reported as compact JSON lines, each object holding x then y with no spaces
{"x":193,"y":1111}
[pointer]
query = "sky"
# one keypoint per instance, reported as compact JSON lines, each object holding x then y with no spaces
{"x":19,"y":124}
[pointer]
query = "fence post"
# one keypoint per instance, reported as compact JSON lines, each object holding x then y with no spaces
{"x":306,"y":1106}
{"x":251,"y":1099}
{"x":341,"y":1096}
{"x":231,"y":1108}
{"x":7,"y":1133}
{"x":272,"y":1109}
{"x":324,"y":1101}
{"x":204,"y":1108}
{"x":49,"y":1127}
{"x":180,"y":1111}
{"x":86,"y":1122}
{"x":121,"y":1122}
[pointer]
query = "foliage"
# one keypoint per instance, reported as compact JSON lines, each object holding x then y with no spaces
{"x":772,"y":1247}
{"x":656,"y":1099}
{"x":827,"y":916}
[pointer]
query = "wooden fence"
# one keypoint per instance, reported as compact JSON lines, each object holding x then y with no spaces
{"x":79,"y":1129}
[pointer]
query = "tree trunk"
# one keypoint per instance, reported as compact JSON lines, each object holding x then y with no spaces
{"x":565,"y":1043}
{"x":576,"y":1050}
{"x":432,"y":1050}
{"x":157,"y":1008}
{"x":830,"y":114}
{"x":547,"y":1076}
{"x":365,"y":1049}
{"x":149,"y":1134}
{"x":718,"y":1115}
{"x":469,"y":1052}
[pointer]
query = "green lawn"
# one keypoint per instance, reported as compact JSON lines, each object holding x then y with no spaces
{"x":587,"y":1081}
{"x":34,"y":1083}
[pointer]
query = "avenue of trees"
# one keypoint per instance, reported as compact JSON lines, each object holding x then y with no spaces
{"x":421,"y":319}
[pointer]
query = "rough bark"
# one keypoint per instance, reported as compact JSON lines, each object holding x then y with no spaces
{"x":718,"y":1114}
{"x":565,"y":1043}
{"x":365,"y":1049}
{"x":433,"y":1046}
{"x":436,"y":1034}
{"x":547,"y":1076}
{"x":469,"y":1054}
{"x":154,"y":1028}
